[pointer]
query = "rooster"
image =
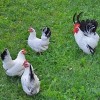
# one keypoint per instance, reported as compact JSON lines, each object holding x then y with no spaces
{"x":85,"y":34}
{"x":13,"y":67}
{"x":39,"y":45}
{"x":29,"y":80}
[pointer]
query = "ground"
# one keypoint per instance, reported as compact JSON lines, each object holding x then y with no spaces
{"x":65,"y":72}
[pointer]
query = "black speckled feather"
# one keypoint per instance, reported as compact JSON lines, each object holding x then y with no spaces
{"x":87,"y":26}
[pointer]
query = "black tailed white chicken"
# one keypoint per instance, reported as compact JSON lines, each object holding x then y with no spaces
{"x":39,"y":45}
{"x":85,"y":34}
{"x":30,"y":81}
{"x":13,"y":67}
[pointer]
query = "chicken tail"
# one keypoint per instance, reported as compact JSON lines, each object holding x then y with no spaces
{"x":78,"y":16}
{"x":47,"y":32}
{"x":4,"y":54}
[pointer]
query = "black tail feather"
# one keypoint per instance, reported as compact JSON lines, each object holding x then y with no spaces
{"x":74,"y":18}
{"x":31,"y":74}
{"x":78,"y":16}
{"x":47,"y":32}
{"x":4,"y":54}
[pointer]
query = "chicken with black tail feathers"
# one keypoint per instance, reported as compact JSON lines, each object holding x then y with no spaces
{"x":85,"y":34}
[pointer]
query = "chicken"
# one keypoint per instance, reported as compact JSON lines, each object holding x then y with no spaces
{"x":39,"y":45}
{"x":85,"y":34}
{"x":13,"y":67}
{"x":29,"y":80}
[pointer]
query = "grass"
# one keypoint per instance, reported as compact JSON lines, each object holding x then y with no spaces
{"x":65,"y":72}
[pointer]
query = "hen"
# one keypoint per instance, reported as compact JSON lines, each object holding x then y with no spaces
{"x":39,"y":45}
{"x":13,"y":67}
{"x":30,"y":81}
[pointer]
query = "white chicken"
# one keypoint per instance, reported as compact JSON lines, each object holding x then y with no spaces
{"x":13,"y":67}
{"x":39,"y":45}
{"x":30,"y":81}
{"x":85,"y":34}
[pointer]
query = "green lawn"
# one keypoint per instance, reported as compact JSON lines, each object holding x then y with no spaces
{"x":65,"y":72}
